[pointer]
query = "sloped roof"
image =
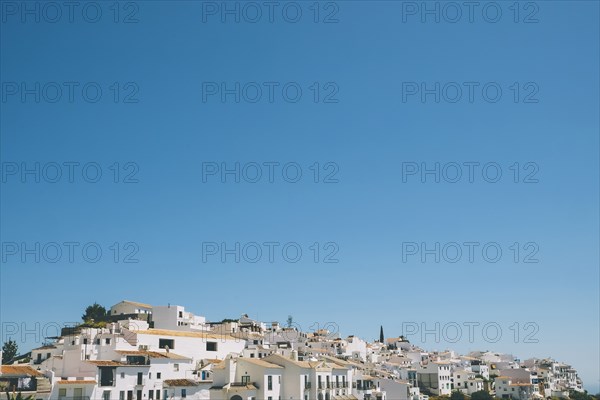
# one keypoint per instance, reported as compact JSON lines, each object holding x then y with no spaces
{"x":19,"y":370}
{"x":167,"y":332}
{"x":179,"y":382}
{"x":259,"y":362}
{"x":135,"y":303}
{"x":106,"y":363}
{"x":153,"y":354}
{"x":48,"y":346}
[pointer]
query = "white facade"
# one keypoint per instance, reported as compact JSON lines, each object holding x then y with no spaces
{"x":176,"y":318}
{"x":245,"y":360}
{"x":436,"y":376}
{"x":126,"y":307}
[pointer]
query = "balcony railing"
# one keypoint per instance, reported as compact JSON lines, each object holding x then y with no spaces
{"x":307,"y":385}
{"x":74,"y":398}
{"x":238,"y":384}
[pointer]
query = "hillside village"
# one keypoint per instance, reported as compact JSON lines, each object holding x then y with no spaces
{"x":144,"y":352}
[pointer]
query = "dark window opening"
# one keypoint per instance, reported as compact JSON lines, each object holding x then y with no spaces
{"x":211,"y":346}
{"x":164,"y":343}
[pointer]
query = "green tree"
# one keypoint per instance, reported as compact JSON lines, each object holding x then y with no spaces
{"x":9,"y":351}
{"x":94,"y":312}
{"x":457,"y":395}
{"x":18,"y":396}
{"x":481,"y":395}
{"x":575,"y":395}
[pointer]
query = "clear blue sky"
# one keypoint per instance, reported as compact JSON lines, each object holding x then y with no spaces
{"x":370,"y":57}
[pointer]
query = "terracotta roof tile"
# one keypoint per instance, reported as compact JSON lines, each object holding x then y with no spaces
{"x":106,"y":363}
{"x":152,"y":354}
{"x":179,"y":382}
{"x":166,"y":332}
{"x":19,"y":370}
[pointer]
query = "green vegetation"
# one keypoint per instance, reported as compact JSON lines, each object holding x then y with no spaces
{"x":481,"y":395}
{"x":93,"y":324}
{"x":457,"y":395}
{"x":575,"y":395}
{"x":9,"y":351}
{"x":95,"y":313}
{"x":18,"y":396}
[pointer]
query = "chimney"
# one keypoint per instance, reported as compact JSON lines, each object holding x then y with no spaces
{"x":294,"y":355}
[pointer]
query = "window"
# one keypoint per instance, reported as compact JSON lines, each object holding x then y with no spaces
{"x":85,"y":341}
{"x":270,"y":383}
{"x":62,"y":393}
{"x":164,"y":343}
{"x":175,"y":367}
{"x":211,"y":346}
{"x":149,"y":375}
{"x":140,"y":377}
{"x":157,"y":394}
{"x":107,"y":340}
{"x":97,"y":341}
{"x":122,"y":375}
{"x":151,"y":394}
{"x":107,"y":376}
{"x":183,"y":393}
{"x":106,"y":395}
{"x":122,"y":395}
{"x":251,"y":355}
{"x":245,"y":379}
{"x":158,"y":375}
